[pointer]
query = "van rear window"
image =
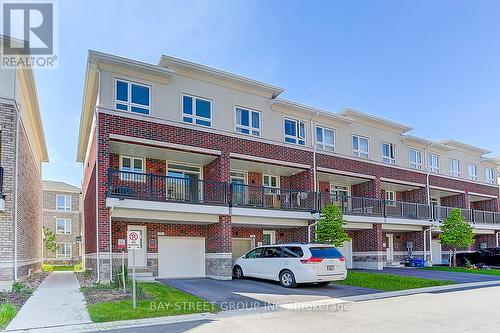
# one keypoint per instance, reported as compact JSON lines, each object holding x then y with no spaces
{"x":325,"y":252}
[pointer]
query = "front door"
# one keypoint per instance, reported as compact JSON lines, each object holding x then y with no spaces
{"x":390,"y":247}
{"x":140,"y":255}
{"x":268,"y":237}
{"x":437,"y":254}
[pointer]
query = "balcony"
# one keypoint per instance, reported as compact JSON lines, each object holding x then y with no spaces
{"x":2,"y":195}
{"x":272,"y":198}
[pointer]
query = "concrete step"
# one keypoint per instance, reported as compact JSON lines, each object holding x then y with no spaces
{"x":141,"y":274}
{"x":393,"y":264}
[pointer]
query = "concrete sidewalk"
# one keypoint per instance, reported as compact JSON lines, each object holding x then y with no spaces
{"x":57,"y":301}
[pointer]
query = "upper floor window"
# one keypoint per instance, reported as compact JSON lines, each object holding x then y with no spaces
{"x":196,"y":110}
{"x":415,"y":159}
{"x":131,"y":96}
{"x":338,"y":191}
{"x":63,"y":226}
{"x":271,"y":181}
{"x":472,"y":171}
{"x":433,"y":163}
{"x":247,"y":121}
{"x":360,"y":146}
{"x":295,"y":131}
{"x":455,"y":167}
{"x":325,"y":138}
{"x":131,"y":165}
{"x":490,"y":176}
{"x":63,"y":202}
{"x":388,"y":153}
{"x":390,"y":198}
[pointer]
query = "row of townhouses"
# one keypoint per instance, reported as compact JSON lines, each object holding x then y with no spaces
{"x":206,"y":164}
{"x":22,"y":152}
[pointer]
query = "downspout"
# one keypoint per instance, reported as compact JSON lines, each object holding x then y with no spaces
{"x":16,"y":201}
{"x":97,"y":197}
{"x":111,"y":239}
{"x":428,"y":173}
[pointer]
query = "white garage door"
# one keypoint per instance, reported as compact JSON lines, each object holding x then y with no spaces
{"x":180,"y":257}
{"x":346,"y":250}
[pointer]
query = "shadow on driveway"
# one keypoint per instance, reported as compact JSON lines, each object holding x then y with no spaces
{"x":251,"y":293}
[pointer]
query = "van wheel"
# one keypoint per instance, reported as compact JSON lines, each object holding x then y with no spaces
{"x":287,"y":279}
{"x":237,"y":272}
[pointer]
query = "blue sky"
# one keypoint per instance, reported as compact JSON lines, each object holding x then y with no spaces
{"x":433,"y":65}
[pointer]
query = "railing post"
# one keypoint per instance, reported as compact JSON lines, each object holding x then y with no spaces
{"x":290,"y":198}
{"x":384,"y":208}
{"x":150,"y":185}
{"x":363,"y":205}
{"x":416,"y":210}
{"x":402,"y":209}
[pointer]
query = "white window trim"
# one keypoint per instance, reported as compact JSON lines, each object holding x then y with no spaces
{"x":297,"y":128}
{"x":65,"y":226}
{"x":200,"y":168}
{"x":455,"y":173}
{"x":324,"y":144}
{"x":333,"y":185}
{"x":272,"y":235}
{"x":66,"y":256}
{"x":472,"y":176}
{"x":130,"y":177}
{"x":193,"y":107}
{"x":432,"y":168}
{"x":245,"y":175}
{"x":129,"y":96}
{"x":250,"y":127}
{"x":415,"y":165}
{"x":65,"y":207}
{"x":390,"y":201}
{"x":273,"y":176}
{"x":388,"y":159}
{"x":487,"y":178}
{"x":358,"y":152}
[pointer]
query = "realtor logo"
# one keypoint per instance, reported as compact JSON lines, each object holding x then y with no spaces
{"x":30,"y":35}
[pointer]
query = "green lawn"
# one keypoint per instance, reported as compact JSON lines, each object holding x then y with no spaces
{"x":388,"y":282}
{"x":7,"y":313}
{"x":157,"y":300}
{"x":465,"y":270}
{"x":57,"y":268}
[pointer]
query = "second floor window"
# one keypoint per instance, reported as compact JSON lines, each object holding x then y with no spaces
{"x":388,"y":153}
{"x":490,"y":176}
{"x":63,"y":202}
{"x":455,"y":167}
{"x":132,"y":97}
{"x":472,"y":171}
{"x":196,"y":110}
{"x":295,"y":131}
{"x":433,"y":163}
{"x":415,"y":159}
{"x":247,"y":121}
{"x":325,"y":138}
{"x":360,"y":146}
{"x":63,"y":226}
{"x":131,"y":165}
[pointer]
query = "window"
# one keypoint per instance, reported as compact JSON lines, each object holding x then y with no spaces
{"x":388,"y":153}
{"x":415,"y":159}
{"x":292,"y":252}
{"x":63,"y":202}
{"x":63,"y":250}
{"x":295,"y":131}
{"x":455,"y":167}
{"x":360,"y":146}
{"x":271,"y":181}
{"x":338,"y":191}
{"x":325,"y":252}
{"x":131,"y":165}
{"x":254,"y":253}
{"x":390,"y":195}
{"x":434,"y":201}
{"x":433,"y":163}
{"x":268,"y":237}
{"x":272,"y":252}
{"x":63,"y":226}
{"x":132,"y":97}
{"x":196,"y":110}
{"x":247,"y":121}
{"x":325,"y":138}
{"x":472,"y":171}
{"x":490,"y":176}
{"x":183,"y":183}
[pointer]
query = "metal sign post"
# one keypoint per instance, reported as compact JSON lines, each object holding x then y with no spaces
{"x":134,"y":243}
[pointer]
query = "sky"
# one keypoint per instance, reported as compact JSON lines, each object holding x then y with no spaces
{"x":433,"y":65}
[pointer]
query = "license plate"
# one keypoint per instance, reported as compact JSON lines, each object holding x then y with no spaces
{"x":330,"y":267}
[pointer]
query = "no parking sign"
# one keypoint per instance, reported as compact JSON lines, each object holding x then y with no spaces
{"x":134,"y":240}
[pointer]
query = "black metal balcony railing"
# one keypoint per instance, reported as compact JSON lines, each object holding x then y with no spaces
{"x":270,"y":197}
{"x":141,"y":186}
{"x":164,"y":188}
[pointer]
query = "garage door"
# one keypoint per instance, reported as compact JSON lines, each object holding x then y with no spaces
{"x":241,"y":246}
{"x":346,"y":250}
{"x":180,"y":257}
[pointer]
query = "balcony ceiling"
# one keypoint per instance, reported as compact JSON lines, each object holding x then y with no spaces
{"x":396,"y":187}
{"x":340,"y":179}
{"x":442,"y":193}
{"x":272,"y":169}
{"x":170,"y":155}
{"x":474,"y":198}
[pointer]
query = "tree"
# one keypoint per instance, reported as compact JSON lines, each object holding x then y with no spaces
{"x":330,"y":227}
{"x":456,"y":233}
{"x":49,"y":240}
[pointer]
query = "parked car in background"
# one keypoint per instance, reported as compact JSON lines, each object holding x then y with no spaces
{"x":291,"y":264}
{"x":489,"y":256}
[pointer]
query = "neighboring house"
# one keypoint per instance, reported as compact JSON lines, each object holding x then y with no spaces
{"x":62,"y":214}
{"x":22,"y":151}
{"x":206,"y":164}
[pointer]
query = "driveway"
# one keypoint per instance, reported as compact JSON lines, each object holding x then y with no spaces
{"x":456,"y":277}
{"x":250,"y":293}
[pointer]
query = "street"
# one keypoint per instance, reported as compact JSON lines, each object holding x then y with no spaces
{"x":460,"y":311}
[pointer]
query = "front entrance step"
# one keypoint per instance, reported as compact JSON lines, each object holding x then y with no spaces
{"x":141,"y":274}
{"x":393,"y":264}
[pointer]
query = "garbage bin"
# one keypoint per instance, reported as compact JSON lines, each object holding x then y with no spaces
{"x":418,"y":263}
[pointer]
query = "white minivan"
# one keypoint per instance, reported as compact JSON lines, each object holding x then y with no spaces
{"x":291,"y":264}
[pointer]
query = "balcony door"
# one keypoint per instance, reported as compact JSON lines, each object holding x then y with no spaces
{"x":239,"y":190}
{"x":184,"y":183}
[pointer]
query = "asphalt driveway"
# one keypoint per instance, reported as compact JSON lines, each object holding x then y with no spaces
{"x":250,"y":293}
{"x":456,"y":277}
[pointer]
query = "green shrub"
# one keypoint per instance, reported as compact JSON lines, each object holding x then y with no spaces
{"x":20,"y":288}
{"x":118,"y":279}
{"x":47,"y":268}
{"x":7,"y":313}
{"x":78,"y":268}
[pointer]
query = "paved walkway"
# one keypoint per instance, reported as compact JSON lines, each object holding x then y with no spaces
{"x":57,"y":301}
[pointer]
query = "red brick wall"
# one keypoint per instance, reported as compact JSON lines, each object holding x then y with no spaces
{"x":418,"y":195}
{"x":369,"y":189}
{"x":302,"y":181}
{"x":486,"y":205}
{"x":254,"y":178}
{"x":283,"y":235}
{"x":457,"y":201}
{"x":368,"y":240}
{"x":89,"y":213}
{"x":219,"y":236}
